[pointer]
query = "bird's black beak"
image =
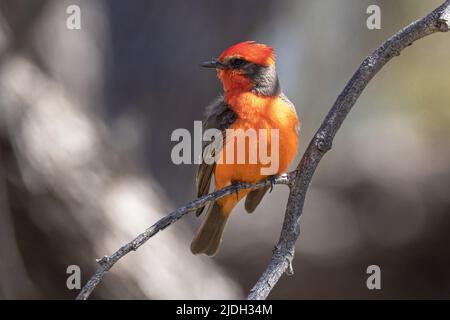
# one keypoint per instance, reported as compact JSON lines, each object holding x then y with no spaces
{"x":214,"y":63}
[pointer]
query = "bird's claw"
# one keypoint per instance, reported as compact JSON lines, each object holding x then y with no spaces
{"x":272,"y":182}
{"x":236,"y":190}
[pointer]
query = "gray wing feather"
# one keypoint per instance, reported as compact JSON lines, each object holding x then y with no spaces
{"x":254,"y":198}
{"x":218,"y":116}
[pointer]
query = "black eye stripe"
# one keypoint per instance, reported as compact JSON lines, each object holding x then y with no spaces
{"x":237,"y":62}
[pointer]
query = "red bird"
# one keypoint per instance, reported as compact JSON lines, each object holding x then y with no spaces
{"x":252,"y":99}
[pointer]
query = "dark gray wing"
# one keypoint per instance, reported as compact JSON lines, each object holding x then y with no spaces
{"x":254,"y":198}
{"x":218,"y":116}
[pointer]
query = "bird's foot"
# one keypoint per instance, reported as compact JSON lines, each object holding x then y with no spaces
{"x":236,"y":189}
{"x":272,"y":181}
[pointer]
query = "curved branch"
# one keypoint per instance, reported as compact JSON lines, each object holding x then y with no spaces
{"x":436,"y":21}
{"x":107,"y":262}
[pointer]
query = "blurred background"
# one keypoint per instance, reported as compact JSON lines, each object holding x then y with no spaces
{"x":85,"y":123}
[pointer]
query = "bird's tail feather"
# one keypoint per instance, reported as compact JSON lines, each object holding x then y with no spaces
{"x":209,"y":236}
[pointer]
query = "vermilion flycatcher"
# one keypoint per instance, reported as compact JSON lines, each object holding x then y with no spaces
{"x":252,"y":99}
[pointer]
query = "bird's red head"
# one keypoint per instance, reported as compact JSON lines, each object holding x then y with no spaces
{"x":250,"y":51}
{"x":240,"y":66}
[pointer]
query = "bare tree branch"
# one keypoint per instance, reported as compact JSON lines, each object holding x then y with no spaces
{"x":298,"y":180}
{"x":436,"y":21}
{"x":108,"y":261}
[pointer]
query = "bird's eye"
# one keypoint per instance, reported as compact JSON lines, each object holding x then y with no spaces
{"x":237,"y":62}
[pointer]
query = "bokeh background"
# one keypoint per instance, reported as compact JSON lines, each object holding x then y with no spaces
{"x":85,"y":123}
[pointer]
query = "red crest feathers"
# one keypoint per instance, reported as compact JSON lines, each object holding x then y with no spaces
{"x":251,"y":51}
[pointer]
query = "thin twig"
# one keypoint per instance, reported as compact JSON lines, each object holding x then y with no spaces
{"x":108,"y":261}
{"x":281,"y":261}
